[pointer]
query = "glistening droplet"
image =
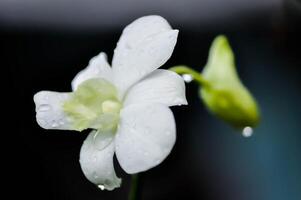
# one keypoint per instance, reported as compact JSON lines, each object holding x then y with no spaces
{"x":247,"y":131}
{"x":187,"y":78}
{"x":102,"y":187}
{"x":54,"y":125}
{"x":61,"y":122}
{"x":44,"y":108}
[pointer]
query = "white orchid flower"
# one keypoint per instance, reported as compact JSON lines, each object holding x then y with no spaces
{"x":125,"y":105}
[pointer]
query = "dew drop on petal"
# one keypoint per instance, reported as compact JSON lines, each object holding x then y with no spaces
{"x":102,"y":187}
{"x":54,"y":125}
{"x":41,"y":121}
{"x":61,"y":122}
{"x":187,"y":78}
{"x":247,"y":131}
{"x":177,"y":101}
{"x":44,"y":108}
{"x":157,"y":161}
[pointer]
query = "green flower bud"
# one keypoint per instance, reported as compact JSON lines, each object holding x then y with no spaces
{"x":225,"y":95}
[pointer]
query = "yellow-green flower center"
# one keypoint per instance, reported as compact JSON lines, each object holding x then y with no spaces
{"x":94,"y":104}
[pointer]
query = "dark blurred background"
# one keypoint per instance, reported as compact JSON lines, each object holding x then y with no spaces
{"x":43,"y":44}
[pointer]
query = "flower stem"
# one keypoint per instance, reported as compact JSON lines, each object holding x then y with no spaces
{"x":133,"y":195}
{"x":198,"y":77}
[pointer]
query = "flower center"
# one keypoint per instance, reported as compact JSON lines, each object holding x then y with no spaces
{"x":95,"y":105}
{"x":110,"y":106}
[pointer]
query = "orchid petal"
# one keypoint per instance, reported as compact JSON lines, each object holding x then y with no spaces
{"x":49,"y":110}
{"x":145,"y":136}
{"x":145,"y":45}
{"x":98,"y":68}
{"x":96,"y":160}
{"x":161,"y":86}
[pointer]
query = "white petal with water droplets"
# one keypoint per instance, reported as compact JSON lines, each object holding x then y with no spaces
{"x":145,"y":45}
{"x":98,"y":68}
{"x":49,"y":110}
{"x":161,"y":86}
{"x":145,"y":136}
{"x":97,"y":162}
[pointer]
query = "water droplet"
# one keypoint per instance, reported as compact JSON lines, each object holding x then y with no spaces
{"x":102,"y":187}
{"x":157,"y":161}
{"x":61,"y":122}
{"x":187,"y":78}
{"x":177,"y":101}
{"x":247,"y":131}
{"x":41,"y":121}
{"x":44,"y":108}
{"x":54,"y":125}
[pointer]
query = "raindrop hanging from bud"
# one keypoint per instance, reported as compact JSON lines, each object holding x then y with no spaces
{"x":187,"y":78}
{"x":247,"y":131}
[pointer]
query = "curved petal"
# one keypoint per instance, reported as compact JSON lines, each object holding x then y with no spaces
{"x":161,"y":86}
{"x":98,"y":68}
{"x":145,"y":45}
{"x":49,"y":110}
{"x":145,"y":136}
{"x":97,"y":163}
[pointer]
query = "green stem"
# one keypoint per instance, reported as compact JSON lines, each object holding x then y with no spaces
{"x":198,"y":77}
{"x":134,"y":187}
